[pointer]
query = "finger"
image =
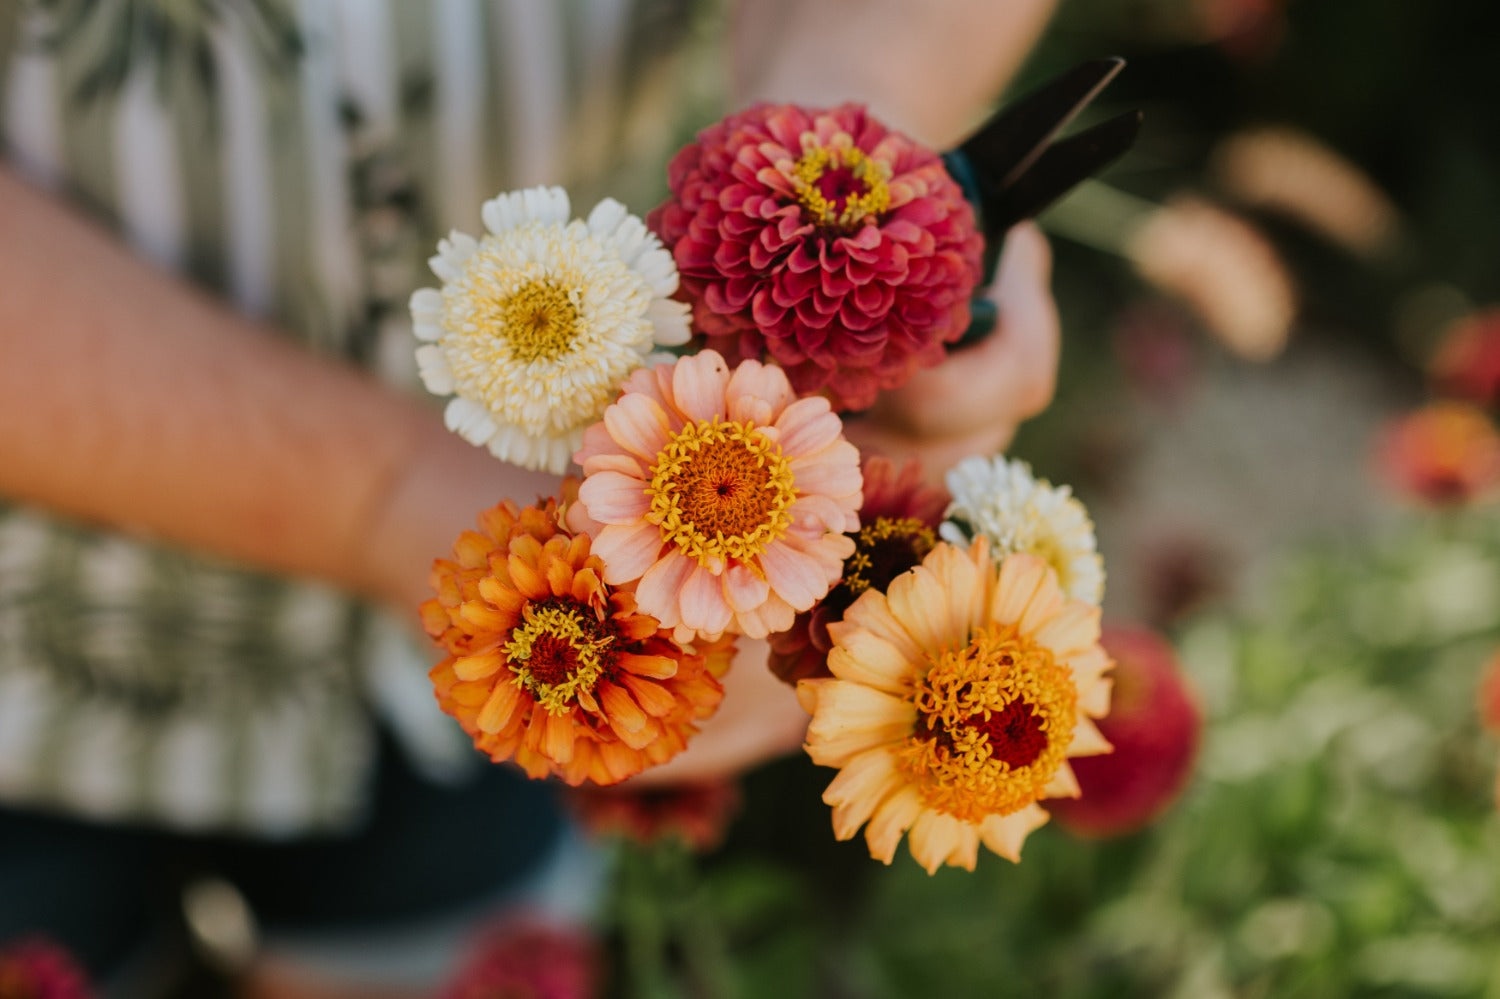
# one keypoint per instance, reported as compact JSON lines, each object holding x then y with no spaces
{"x":1028,"y":338}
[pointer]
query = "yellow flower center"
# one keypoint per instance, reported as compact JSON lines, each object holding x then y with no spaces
{"x":721,"y":490}
{"x":557,"y":652}
{"x":539,"y":320}
{"x":884,"y":549}
{"x":838,"y":185}
{"x":994,"y":721}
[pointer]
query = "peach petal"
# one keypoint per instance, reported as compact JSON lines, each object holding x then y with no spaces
{"x":1088,"y":740}
{"x":1020,"y":576}
{"x":795,"y":577}
{"x":872,"y":612}
{"x":1094,"y":699}
{"x":1005,"y":834}
{"x":964,"y":585}
{"x":833,"y":471}
{"x":704,"y":608}
{"x":864,"y":657}
{"x":1063,"y":784}
{"x":1045,"y":604}
{"x":767,"y":383}
{"x":891,"y":819}
{"x":656,"y":593}
{"x":638,"y":425}
{"x":627,"y":551}
{"x":698,"y":385}
{"x":614,"y":461}
{"x":614,"y":498}
{"x":807,"y":425}
{"x":917,"y":600}
{"x":859,"y":788}
{"x":1075,"y":627}
{"x":936,"y":839}
{"x":744,"y":590}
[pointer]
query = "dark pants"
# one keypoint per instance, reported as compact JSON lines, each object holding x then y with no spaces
{"x":105,"y":891}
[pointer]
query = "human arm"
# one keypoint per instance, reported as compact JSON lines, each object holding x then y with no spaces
{"x":132,"y":401}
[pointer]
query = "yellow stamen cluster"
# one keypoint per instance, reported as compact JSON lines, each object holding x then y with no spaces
{"x":556,"y":653}
{"x":918,"y":534}
{"x":838,"y":184}
{"x":539,"y":319}
{"x":721,"y":490}
{"x":953,"y":757}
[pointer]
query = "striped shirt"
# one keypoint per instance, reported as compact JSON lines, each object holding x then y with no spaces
{"x":300,"y":157}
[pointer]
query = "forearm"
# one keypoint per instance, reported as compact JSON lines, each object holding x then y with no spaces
{"x":135,"y":402}
{"x":927,"y":68}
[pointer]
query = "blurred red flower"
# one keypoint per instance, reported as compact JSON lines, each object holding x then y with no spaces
{"x":529,"y":960}
{"x":35,"y":968}
{"x":1155,"y":726}
{"x":697,"y":814}
{"x":1467,"y":362}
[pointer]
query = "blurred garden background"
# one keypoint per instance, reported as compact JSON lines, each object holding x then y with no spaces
{"x":1281,"y":318}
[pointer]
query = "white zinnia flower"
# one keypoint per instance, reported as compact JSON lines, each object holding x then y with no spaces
{"x":539,"y":322}
{"x":1003,"y":501}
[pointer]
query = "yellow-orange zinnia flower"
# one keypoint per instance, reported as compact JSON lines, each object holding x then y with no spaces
{"x":724,"y":494}
{"x":958,"y":696}
{"x":551,"y":667}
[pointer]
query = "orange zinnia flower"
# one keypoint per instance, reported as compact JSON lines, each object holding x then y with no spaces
{"x":550,"y":666}
{"x":1445,"y":453}
{"x":958,"y":696}
{"x":724,"y":494}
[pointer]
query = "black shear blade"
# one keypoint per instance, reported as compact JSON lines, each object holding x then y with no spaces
{"x":1010,"y":142}
{"x":1058,"y":168}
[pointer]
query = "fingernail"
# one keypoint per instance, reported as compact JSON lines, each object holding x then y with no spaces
{"x":983,"y":315}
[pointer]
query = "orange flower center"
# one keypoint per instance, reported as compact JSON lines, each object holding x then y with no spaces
{"x":838,"y":185}
{"x":559,"y":650}
{"x":994,"y":721}
{"x":721,"y":490}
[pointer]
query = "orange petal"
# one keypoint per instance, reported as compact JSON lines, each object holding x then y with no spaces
{"x":531,"y":584}
{"x":620,"y":708}
{"x":498,"y":708}
{"x":478,"y":667}
{"x":653,"y":698}
{"x":655,"y":667}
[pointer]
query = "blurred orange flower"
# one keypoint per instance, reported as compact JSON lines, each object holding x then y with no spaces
{"x":1445,"y":453}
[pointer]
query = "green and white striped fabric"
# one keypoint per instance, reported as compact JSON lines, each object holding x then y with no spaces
{"x":302,"y":159}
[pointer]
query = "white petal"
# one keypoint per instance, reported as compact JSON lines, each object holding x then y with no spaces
{"x":432,"y":366}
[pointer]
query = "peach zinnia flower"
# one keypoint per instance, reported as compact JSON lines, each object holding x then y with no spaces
{"x":958,"y":696}
{"x":549,"y":665}
{"x":722,"y":492}
{"x":1446,"y":453}
{"x":839,"y":248}
{"x":898,"y":527}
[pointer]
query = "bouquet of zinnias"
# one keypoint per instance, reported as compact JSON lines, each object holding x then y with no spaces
{"x":945,"y":644}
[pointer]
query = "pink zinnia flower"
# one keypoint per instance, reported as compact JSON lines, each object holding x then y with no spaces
{"x":898,"y":527}
{"x":38,"y":969}
{"x":724,"y":494}
{"x":842,"y":250}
